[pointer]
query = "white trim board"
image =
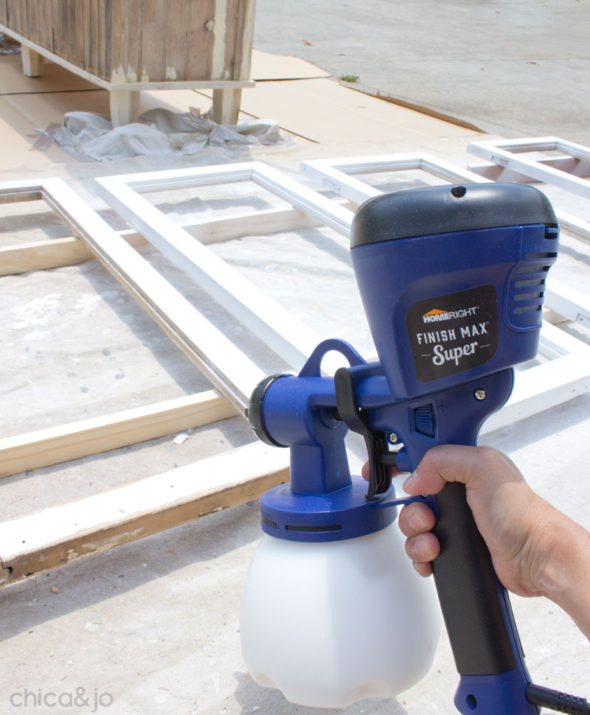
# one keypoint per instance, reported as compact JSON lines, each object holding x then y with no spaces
{"x":262,"y":315}
{"x":340,"y":218}
{"x":335,"y":174}
{"x":152,"y":223}
{"x":558,"y":171}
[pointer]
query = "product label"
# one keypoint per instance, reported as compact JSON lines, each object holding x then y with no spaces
{"x":453,"y":333}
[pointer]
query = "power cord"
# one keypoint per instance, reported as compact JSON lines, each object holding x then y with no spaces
{"x":554,"y":700}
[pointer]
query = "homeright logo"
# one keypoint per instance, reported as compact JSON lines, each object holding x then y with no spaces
{"x":436,"y":315}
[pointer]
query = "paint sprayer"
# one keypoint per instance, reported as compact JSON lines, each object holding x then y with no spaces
{"x":452,"y":281}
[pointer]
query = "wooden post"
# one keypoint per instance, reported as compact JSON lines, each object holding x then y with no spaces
{"x":32,"y":62}
{"x":226,"y":106}
{"x":124,"y":106}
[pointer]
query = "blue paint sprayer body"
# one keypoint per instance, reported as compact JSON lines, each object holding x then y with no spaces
{"x":452,"y":281}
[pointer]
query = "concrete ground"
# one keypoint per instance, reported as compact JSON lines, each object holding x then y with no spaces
{"x":513,"y":68}
{"x":153,"y":627}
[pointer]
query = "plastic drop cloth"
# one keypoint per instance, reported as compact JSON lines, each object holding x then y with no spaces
{"x":158,"y":132}
{"x":8,"y":46}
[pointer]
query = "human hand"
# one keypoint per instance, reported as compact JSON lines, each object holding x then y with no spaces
{"x":535,"y":549}
{"x":509,"y":515}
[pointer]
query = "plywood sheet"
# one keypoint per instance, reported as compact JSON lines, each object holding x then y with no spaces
{"x":39,"y":110}
{"x":17,"y":136}
{"x":325,"y":111}
{"x":54,"y":79}
{"x":276,"y":67}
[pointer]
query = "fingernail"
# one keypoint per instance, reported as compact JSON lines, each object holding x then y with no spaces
{"x":418,"y":522}
{"x":410,"y":481}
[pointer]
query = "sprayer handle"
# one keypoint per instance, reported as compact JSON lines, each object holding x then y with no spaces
{"x":475,"y":606}
{"x":468,"y":589}
{"x":477,"y":614}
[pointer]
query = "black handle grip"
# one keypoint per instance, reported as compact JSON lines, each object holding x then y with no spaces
{"x":468,"y":590}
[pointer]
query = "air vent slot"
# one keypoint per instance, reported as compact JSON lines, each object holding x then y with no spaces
{"x":319,"y":528}
{"x":551,"y":232}
{"x":526,"y":309}
{"x":527,"y":296}
{"x":527,"y":284}
{"x":546,"y":254}
{"x":533,"y":268}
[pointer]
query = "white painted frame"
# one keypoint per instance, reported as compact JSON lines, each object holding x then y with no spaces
{"x":232,"y":372}
{"x":70,"y":250}
{"x":123,"y":194}
{"x":568,"y":372}
{"x":544,"y":386}
{"x":66,"y":442}
{"x":505,"y":153}
{"x":269,"y":321}
{"x":335,"y":174}
{"x":58,"y":535}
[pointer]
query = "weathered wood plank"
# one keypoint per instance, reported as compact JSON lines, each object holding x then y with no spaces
{"x":62,"y":534}
{"x":200,"y":55}
{"x":54,"y":445}
{"x":177,"y":40}
{"x":139,"y":40}
{"x":154,"y":49}
{"x":40,"y":255}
